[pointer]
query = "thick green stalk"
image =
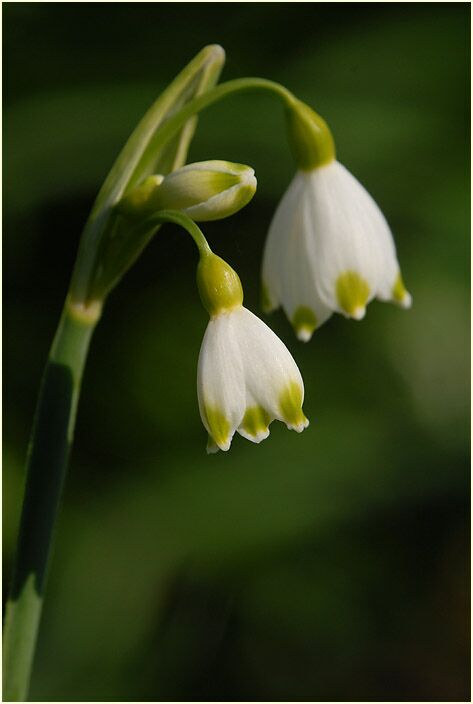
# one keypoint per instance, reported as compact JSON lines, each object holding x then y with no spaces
{"x":46,"y":469}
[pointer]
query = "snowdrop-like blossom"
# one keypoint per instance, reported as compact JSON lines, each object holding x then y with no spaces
{"x":246,"y":376}
{"x":329,"y":247}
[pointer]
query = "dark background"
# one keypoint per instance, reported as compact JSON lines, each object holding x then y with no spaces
{"x":327,"y":566}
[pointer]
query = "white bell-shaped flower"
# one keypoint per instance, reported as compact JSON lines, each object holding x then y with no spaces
{"x":329,"y":247}
{"x":246,"y":376}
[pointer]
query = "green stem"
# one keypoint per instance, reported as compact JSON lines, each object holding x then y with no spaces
{"x":179,"y":218}
{"x":46,"y":469}
{"x":193,"y":107}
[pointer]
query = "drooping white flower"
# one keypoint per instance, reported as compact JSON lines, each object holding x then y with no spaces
{"x":246,"y":376}
{"x":329,"y":247}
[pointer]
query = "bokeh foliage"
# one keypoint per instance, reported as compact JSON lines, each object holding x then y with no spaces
{"x":332,"y":565}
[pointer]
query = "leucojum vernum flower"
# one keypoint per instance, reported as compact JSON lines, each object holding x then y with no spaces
{"x":329,"y":249}
{"x":246,"y":376}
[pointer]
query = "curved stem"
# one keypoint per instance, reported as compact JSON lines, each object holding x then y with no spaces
{"x":179,"y":218}
{"x":239,"y":85}
{"x":46,"y":469}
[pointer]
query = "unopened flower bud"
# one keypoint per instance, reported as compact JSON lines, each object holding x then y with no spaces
{"x":206,"y":190}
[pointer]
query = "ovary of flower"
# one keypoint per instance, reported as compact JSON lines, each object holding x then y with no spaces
{"x":246,"y":376}
{"x":329,"y":249}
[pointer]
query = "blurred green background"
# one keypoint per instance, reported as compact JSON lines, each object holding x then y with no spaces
{"x":327,"y":566}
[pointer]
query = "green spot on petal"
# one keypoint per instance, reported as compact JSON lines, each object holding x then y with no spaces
{"x":304,"y":322}
{"x":255,"y":421}
{"x":400,"y":293}
{"x":352,"y":293}
{"x":290,"y":404}
{"x":219,"y":426}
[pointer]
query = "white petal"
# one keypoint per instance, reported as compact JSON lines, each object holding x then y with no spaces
{"x":288,"y":268}
{"x":269,"y":368}
{"x":274,"y":265}
{"x":301,"y":295}
{"x":220,"y":380}
{"x":380,"y":239}
{"x":350,"y":230}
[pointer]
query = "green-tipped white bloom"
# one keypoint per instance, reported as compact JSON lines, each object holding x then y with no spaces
{"x":329,"y":249}
{"x":246,"y":376}
{"x":206,"y":190}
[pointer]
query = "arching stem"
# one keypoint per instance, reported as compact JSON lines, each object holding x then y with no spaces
{"x":195,"y":106}
{"x":179,"y":218}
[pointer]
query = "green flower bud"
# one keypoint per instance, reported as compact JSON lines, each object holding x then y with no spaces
{"x":309,"y":136}
{"x":206,"y":190}
{"x":219,"y":285}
